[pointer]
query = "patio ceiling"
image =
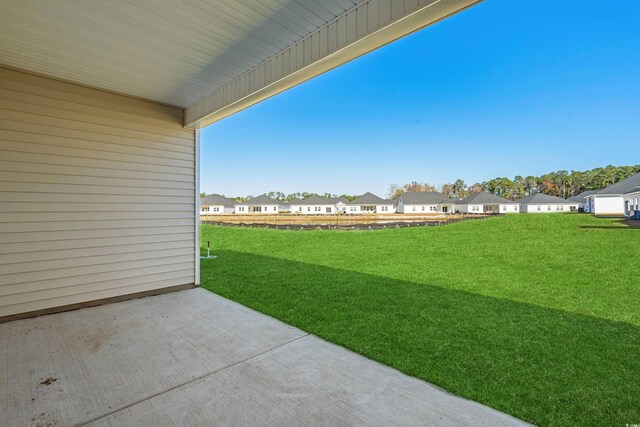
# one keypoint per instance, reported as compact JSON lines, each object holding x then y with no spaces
{"x":211,"y":57}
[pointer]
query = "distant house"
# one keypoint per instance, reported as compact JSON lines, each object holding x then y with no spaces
{"x":543,"y":203}
{"x":369,"y":203}
{"x":415,"y":202}
{"x":611,"y":200}
{"x":631,"y":204}
{"x":215,"y":204}
{"x":317,"y":205}
{"x":581,"y":199}
{"x":484,"y":202}
{"x":261,"y":205}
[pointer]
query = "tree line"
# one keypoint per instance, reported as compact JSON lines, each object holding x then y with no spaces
{"x":561,"y":183}
{"x":283,"y":197}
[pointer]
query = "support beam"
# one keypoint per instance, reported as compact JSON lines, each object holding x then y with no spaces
{"x":359,"y":30}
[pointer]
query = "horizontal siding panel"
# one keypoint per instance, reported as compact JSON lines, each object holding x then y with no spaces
{"x":35,"y":167}
{"x":26,"y":118}
{"x":90,"y":167}
{"x":97,"y":195}
{"x":52,"y":266}
{"x":175,"y":131}
{"x":171,"y":115}
{"x":10,"y":258}
{"x":125,"y":278}
{"x":140,"y":181}
{"x":15,"y":141}
{"x":98,"y":242}
{"x":19,"y":227}
{"x":91,"y":233}
{"x":39,"y":85}
{"x":45,"y":208}
{"x":61,"y":291}
{"x":95,"y":293}
{"x":172,"y":123}
{"x":143,"y":199}
{"x":90,"y":216}
{"x":41,"y":280}
{"x":12,"y":186}
{"x":89,"y":139}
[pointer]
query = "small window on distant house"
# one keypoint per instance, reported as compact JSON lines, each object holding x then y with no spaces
{"x":216,"y":209}
{"x":539,"y":208}
{"x":548,"y":208}
{"x":308,"y":209}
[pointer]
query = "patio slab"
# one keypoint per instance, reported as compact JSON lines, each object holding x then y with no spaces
{"x":195,"y":358}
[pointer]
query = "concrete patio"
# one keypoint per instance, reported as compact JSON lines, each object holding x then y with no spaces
{"x":194,"y":358}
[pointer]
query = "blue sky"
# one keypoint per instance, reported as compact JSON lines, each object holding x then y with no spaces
{"x":509,"y":87}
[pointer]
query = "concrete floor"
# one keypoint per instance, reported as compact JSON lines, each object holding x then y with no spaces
{"x":194,"y":358}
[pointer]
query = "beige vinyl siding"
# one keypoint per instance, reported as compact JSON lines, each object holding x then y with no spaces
{"x":97,"y":195}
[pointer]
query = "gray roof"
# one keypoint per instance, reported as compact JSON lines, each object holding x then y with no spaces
{"x":262,"y":200}
{"x":582,"y":197}
{"x":369,"y":199}
{"x":544,"y":199}
{"x":424,"y":198}
{"x":629,"y":185}
{"x":216,"y":200}
{"x":319,"y":200}
{"x":486,"y":198}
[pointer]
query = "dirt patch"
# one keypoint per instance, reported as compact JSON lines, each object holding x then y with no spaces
{"x":97,"y":339}
{"x":48,"y":381}
{"x":371,"y":226}
{"x":42,"y":420}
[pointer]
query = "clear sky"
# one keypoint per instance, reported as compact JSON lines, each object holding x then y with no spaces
{"x":508,"y":87}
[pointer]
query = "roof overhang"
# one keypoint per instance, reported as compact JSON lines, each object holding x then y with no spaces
{"x":211,"y":57}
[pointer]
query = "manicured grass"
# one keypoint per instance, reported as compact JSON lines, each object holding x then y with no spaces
{"x":534,"y":315}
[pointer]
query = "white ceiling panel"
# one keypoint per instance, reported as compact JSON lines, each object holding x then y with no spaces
{"x":168,"y":51}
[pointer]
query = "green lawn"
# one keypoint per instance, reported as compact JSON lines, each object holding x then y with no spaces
{"x":534,"y":315}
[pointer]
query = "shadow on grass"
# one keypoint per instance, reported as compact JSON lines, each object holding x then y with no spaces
{"x":543,"y":365}
{"x":605,"y":227}
{"x":620,"y":224}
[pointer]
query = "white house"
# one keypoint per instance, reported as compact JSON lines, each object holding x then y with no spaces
{"x":610,"y":201}
{"x":415,"y":202}
{"x":215,"y":204}
{"x":264,"y":205}
{"x":484,"y":202}
{"x":581,"y":199}
{"x":317,"y":205}
{"x":369,"y":203}
{"x":632,"y":204}
{"x":544,"y":203}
